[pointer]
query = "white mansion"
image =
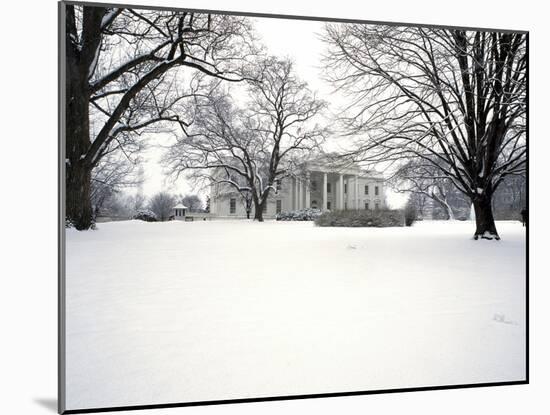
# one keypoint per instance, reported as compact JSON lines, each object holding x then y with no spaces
{"x":322,"y":185}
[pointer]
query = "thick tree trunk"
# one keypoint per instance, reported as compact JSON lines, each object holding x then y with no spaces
{"x":485,"y":222}
{"x":78,"y":172}
{"x":259,"y":209}
{"x":259,"y":204}
{"x":78,"y":204}
{"x":77,"y":129}
{"x":258,"y":212}
{"x":248,"y":207}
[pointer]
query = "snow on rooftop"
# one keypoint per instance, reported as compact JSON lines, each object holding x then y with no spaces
{"x":180,"y":206}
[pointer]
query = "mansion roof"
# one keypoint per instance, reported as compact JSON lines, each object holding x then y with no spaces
{"x":334,"y":163}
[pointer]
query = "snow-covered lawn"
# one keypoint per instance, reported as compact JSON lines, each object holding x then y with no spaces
{"x":194,"y":311}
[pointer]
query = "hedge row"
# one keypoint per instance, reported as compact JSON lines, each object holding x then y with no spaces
{"x":381,"y":218}
{"x":299,"y":215}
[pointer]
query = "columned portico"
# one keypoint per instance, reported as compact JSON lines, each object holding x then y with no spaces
{"x":324,"y":186}
{"x":330,"y":189}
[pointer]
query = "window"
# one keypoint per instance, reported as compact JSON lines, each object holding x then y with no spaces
{"x":376,"y":190}
{"x":313,"y":185}
{"x":328,"y":187}
{"x":328,"y":205}
{"x":279,"y":205}
{"x":345,"y":187}
{"x":366,"y":189}
{"x":345,"y":205}
{"x":232,"y":206}
{"x":278,"y":185}
{"x":376,"y":205}
{"x":314,"y":204}
{"x":264,"y":210}
{"x":366,"y":205}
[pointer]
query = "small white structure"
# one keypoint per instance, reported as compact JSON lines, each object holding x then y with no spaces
{"x":179,"y":211}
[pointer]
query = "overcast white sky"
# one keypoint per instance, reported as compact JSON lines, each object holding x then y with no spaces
{"x":296,"y":39}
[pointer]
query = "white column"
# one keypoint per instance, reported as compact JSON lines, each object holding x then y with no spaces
{"x":325,"y":191}
{"x":308,"y":191}
{"x":336,"y":194}
{"x":296,"y":184}
{"x":346,"y":194}
{"x":341,"y":192}
{"x":300,"y":196}
{"x":356,"y":192}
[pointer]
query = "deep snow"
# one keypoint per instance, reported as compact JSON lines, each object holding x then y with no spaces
{"x":194,"y":311}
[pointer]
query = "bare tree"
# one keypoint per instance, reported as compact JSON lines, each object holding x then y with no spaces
{"x":418,"y":202}
{"x":248,"y":202}
{"x":247,"y":150}
{"x":120,"y":80}
{"x":138,"y":200}
{"x":426,"y":179}
{"x":226,"y":191}
{"x":454,"y":98}
{"x":510,"y":197}
{"x":162,"y":204}
{"x":193,"y":202}
{"x":112,"y":174}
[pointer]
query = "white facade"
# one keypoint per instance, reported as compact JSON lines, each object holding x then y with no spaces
{"x":321,"y":186}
